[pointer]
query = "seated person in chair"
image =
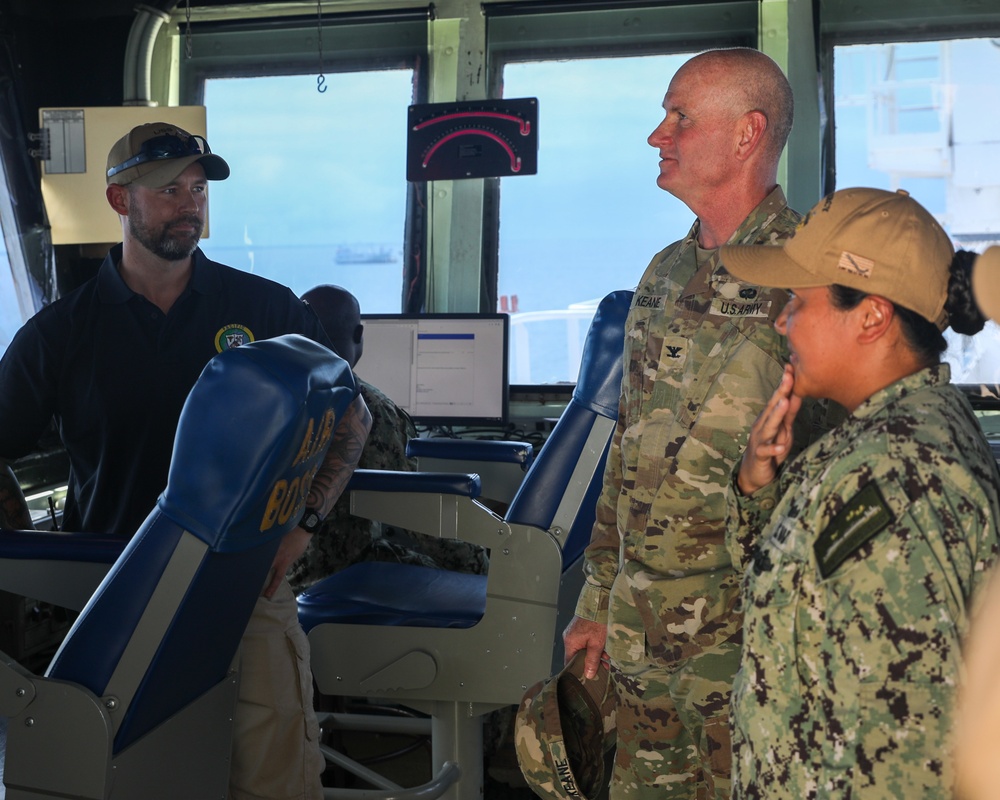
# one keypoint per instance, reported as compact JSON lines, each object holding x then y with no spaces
{"x":113,"y":363}
{"x":348,"y":539}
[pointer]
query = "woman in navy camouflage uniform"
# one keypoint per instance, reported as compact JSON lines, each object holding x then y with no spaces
{"x":863,"y":553}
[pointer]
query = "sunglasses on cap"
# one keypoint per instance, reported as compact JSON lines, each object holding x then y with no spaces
{"x":160,"y":148}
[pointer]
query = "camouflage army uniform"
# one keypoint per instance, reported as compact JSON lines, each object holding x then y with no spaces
{"x":702,"y":358}
{"x":345,"y":539}
{"x":871,"y":543}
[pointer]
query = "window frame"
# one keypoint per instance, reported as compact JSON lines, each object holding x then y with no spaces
{"x":243,"y":48}
{"x":845,"y":23}
{"x":292,"y":45}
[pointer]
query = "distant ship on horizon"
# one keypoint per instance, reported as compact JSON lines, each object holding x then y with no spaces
{"x":365,"y":254}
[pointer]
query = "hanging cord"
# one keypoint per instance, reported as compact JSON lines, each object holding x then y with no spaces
{"x":321,"y":78}
{"x":187,"y":29}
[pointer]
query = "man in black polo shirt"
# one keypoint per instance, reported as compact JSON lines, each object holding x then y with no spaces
{"x":113,"y":362}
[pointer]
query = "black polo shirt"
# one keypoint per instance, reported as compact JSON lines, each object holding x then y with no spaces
{"x":114,"y":371}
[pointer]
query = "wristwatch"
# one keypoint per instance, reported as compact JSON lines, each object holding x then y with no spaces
{"x":310,"y":521}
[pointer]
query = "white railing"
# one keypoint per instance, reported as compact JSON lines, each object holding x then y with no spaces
{"x":524,"y":341}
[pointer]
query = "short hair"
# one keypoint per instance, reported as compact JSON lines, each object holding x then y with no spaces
{"x":758,"y":81}
{"x":340,"y":315}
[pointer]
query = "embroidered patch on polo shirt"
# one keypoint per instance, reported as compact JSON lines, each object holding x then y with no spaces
{"x":862,"y":518}
{"x":232,"y":336}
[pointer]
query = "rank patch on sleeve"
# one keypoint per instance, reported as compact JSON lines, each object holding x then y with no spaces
{"x":862,"y":518}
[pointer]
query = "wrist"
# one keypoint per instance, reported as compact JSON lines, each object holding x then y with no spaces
{"x":743,"y":486}
{"x":749,"y":482}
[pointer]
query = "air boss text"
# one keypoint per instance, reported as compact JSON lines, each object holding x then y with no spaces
{"x":288,"y":496}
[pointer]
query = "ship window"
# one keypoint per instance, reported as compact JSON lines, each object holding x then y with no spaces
{"x":316,"y":142}
{"x":10,"y":312}
{"x":318,"y":188}
{"x":919,"y":116}
{"x":27,"y":273}
{"x":592,"y":218}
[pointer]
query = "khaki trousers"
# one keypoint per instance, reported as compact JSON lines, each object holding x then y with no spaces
{"x":276,"y":752}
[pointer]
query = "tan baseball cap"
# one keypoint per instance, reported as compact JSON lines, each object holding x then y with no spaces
{"x":564,"y":727}
{"x":986,"y":282}
{"x":878,"y":242}
{"x":153,"y":154}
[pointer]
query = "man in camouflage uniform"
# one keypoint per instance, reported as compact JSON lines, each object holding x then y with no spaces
{"x":344,"y":538}
{"x":863,"y":554}
{"x":701,"y":359}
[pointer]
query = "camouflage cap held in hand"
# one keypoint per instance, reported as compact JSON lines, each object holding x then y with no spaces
{"x":565,"y":725}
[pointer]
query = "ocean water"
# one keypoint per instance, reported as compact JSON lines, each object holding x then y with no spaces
{"x":550,"y":287}
{"x":378,"y":287}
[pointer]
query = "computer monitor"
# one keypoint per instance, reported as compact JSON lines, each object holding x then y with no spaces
{"x":442,"y":369}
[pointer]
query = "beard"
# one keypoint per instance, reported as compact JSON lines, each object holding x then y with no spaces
{"x":163,"y":241}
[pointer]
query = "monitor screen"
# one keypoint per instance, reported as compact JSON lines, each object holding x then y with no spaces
{"x":443,"y":369}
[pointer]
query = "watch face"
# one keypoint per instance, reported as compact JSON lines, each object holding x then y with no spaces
{"x":310,"y":521}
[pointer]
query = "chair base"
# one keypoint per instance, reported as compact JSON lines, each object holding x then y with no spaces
{"x":456,"y":731}
{"x":63,"y":714}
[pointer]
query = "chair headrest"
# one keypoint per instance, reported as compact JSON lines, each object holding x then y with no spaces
{"x":254,"y":411}
{"x":598,"y":386}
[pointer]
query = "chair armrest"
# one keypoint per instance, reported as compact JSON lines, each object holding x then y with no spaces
{"x":438,"y":504}
{"x":410,"y":500}
{"x":501,"y":465}
{"x":520,"y":453}
{"x":60,"y":568}
{"x":61,"y":546}
{"x":466,"y":484}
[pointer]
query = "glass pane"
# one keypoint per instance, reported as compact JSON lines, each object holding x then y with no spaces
{"x":318,"y":186}
{"x":10,"y":312}
{"x":591,"y":219}
{"x":922,"y":116}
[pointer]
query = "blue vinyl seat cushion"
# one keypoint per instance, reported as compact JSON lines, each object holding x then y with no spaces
{"x":387,"y":593}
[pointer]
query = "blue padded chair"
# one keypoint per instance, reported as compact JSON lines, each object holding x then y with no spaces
{"x":138,"y":700}
{"x":457,"y":646}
